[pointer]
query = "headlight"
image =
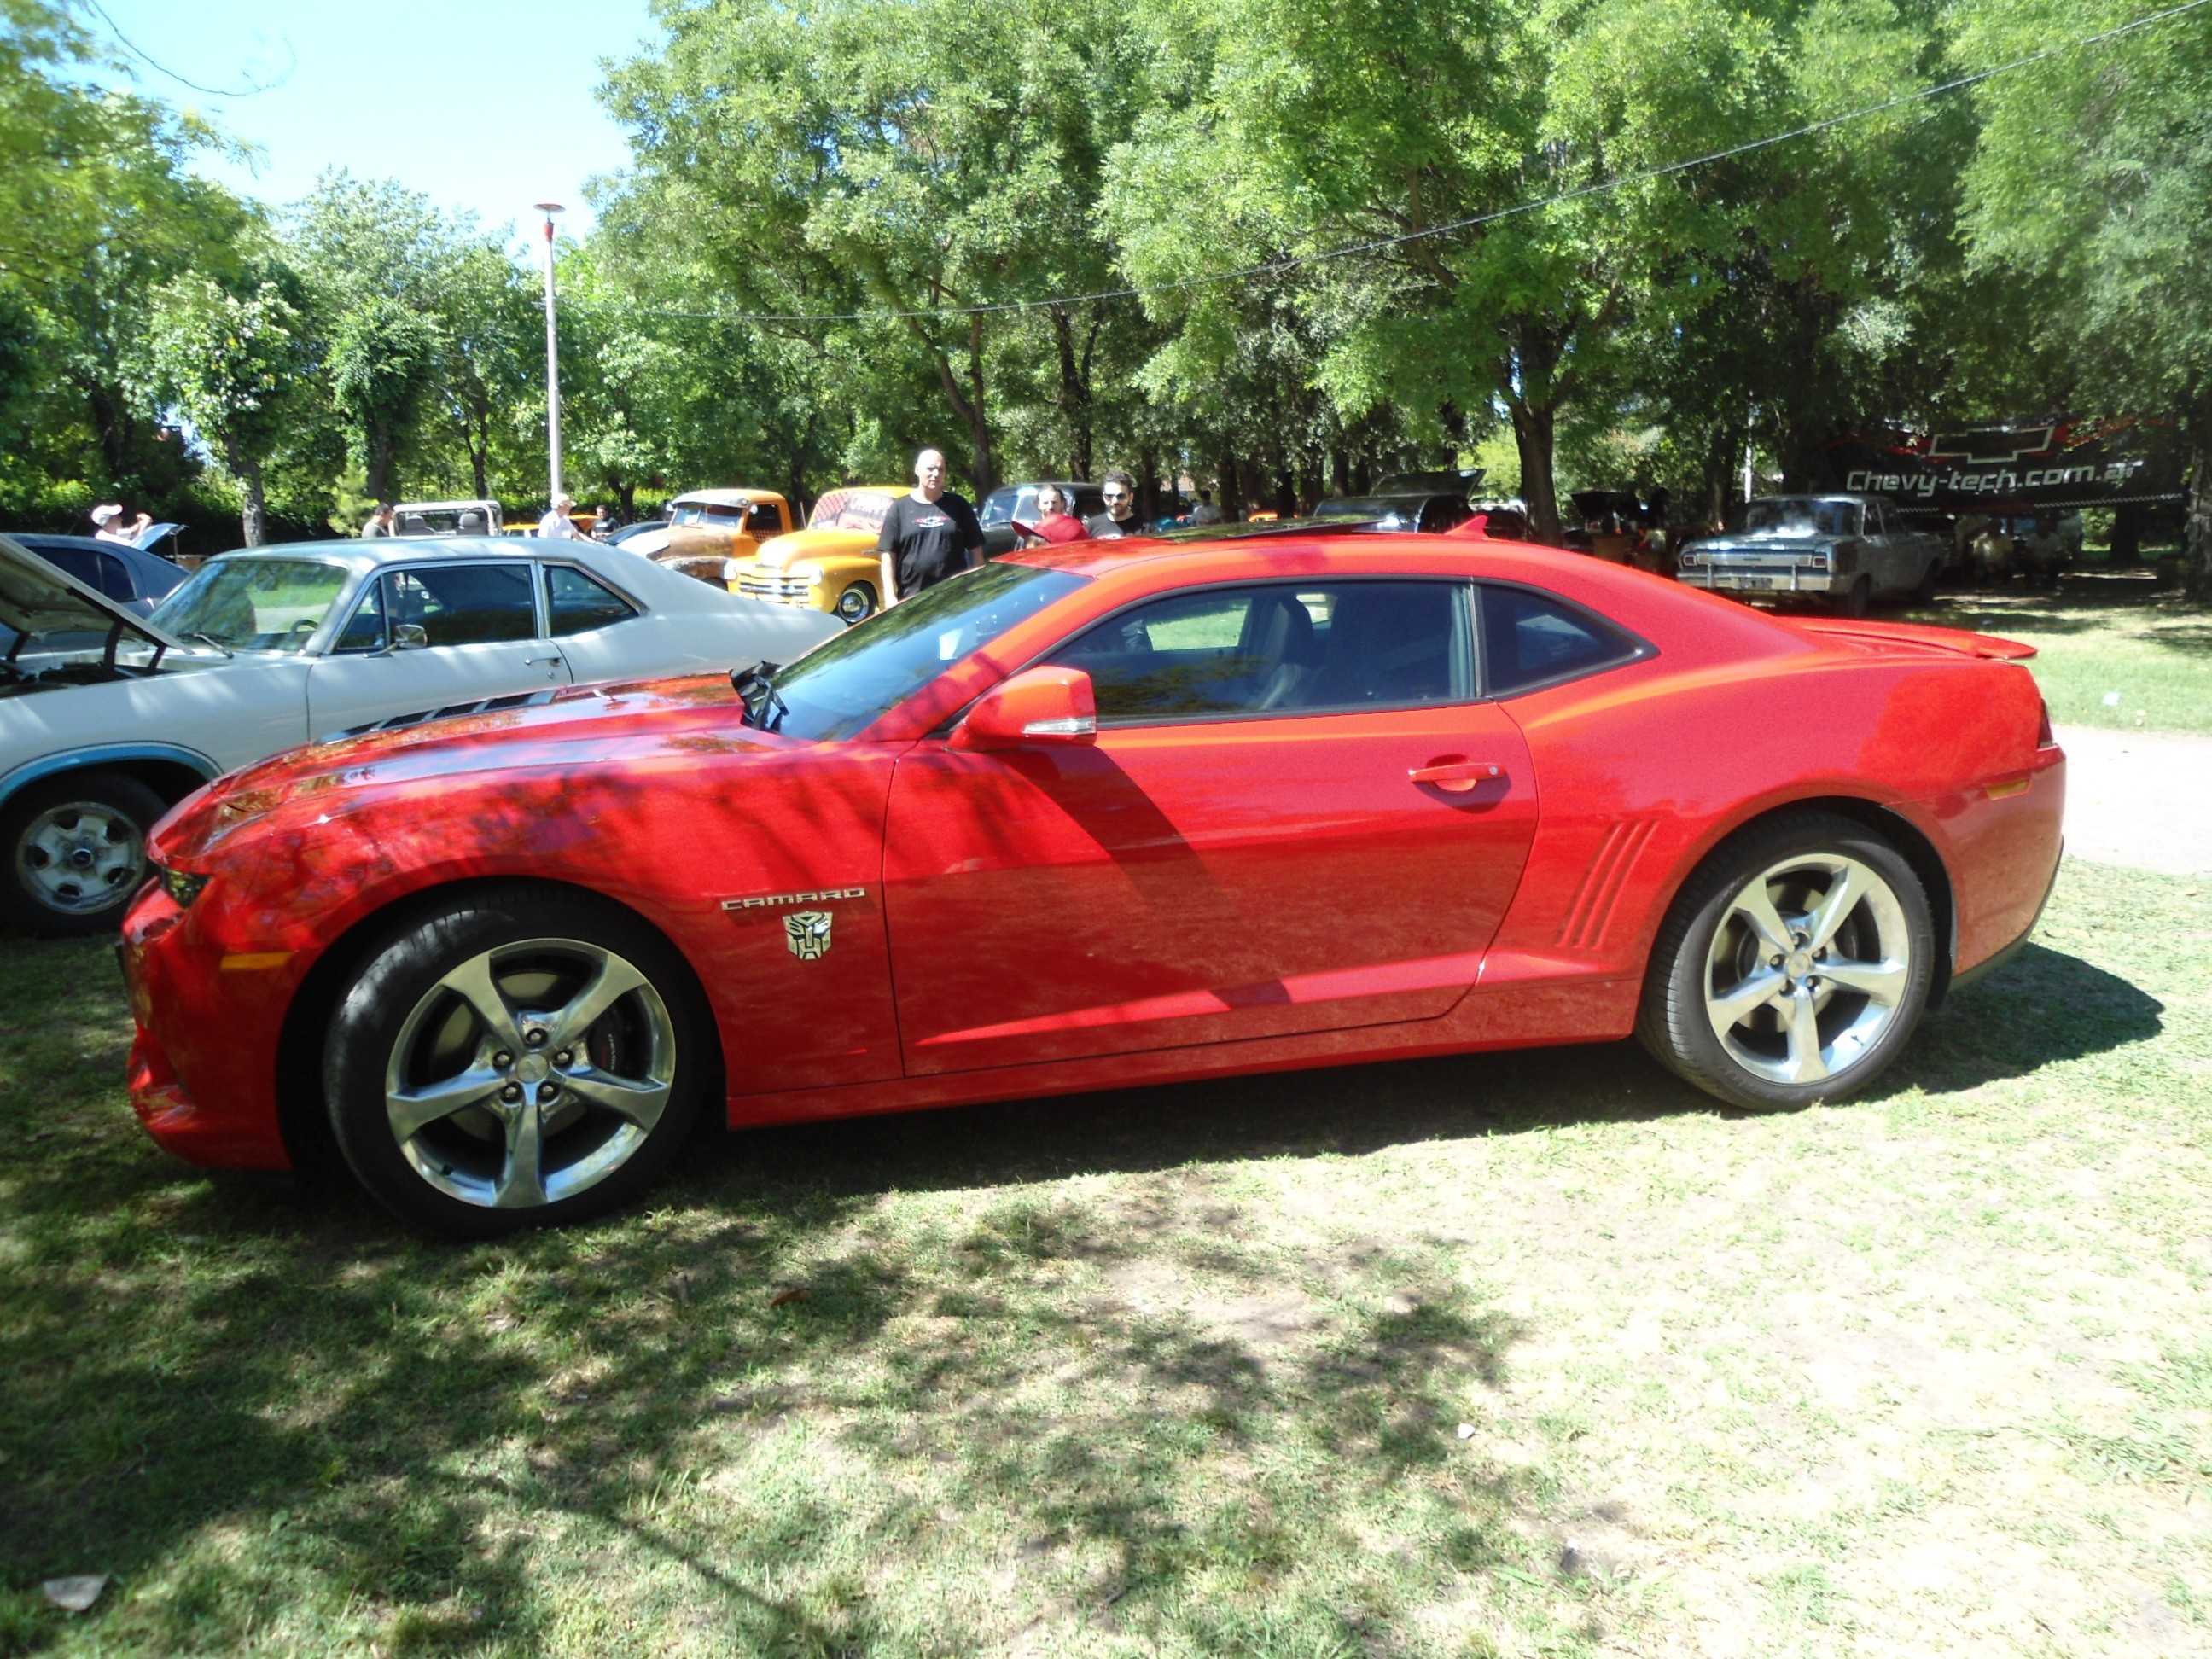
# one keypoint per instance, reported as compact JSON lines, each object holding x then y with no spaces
{"x":731,"y":569}
{"x":1687,"y":560}
{"x":810,"y":574}
{"x":182,"y":887}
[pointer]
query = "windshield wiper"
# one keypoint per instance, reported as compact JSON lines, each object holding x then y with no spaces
{"x":756,"y":688}
{"x":211,"y":639}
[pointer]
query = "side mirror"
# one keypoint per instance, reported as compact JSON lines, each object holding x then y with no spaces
{"x":1044,"y":706}
{"x":409,"y":636}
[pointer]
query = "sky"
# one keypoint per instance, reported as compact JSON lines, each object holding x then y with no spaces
{"x":485,"y":105}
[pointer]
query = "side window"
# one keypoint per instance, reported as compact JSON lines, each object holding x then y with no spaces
{"x":114,"y":578}
{"x":364,"y":630}
{"x":766,"y":518}
{"x":1529,"y":639}
{"x":1278,"y":649}
{"x":1874,"y":524}
{"x":81,"y":563}
{"x":464,"y":604}
{"x":579,"y":604}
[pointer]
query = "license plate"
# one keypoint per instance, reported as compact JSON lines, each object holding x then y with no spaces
{"x":1734,"y":580}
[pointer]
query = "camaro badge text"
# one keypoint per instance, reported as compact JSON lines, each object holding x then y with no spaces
{"x":807,"y":933}
{"x":777,"y":901}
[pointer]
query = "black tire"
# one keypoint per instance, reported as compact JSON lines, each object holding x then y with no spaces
{"x":399,"y":1025}
{"x":1924,"y":593}
{"x":1700,"y":957}
{"x":1854,"y":600}
{"x":76,"y":847}
{"x":863,"y":604}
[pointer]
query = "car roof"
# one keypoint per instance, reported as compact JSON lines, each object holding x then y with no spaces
{"x":733,"y":496}
{"x":373,"y":552}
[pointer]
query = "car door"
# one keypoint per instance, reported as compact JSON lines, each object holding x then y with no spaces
{"x":1296,"y":817}
{"x":430,"y":635}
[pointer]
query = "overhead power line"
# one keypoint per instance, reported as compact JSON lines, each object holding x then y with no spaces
{"x":132,"y":49}
{"x":1452,"y":227}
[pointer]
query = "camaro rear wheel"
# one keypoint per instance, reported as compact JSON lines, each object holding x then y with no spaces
{"x":520,"y":1059}
{"x":76,"y":852}
{"x":1794,"y":965}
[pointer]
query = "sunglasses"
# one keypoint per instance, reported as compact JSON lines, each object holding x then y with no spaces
{"x":1114,"y":495}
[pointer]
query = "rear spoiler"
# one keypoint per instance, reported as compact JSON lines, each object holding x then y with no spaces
{"x":1911,"y":636}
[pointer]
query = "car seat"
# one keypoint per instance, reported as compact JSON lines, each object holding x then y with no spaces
{"x":1280,"y":635}
{"x":1388,"y":642}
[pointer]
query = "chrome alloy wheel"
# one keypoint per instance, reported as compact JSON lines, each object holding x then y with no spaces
{"x":1807,"y":968}
{"x":80,"y":856}
{"x":530,"y":1072}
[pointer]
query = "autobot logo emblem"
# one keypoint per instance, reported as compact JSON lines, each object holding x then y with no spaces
{"x":807,"y":931}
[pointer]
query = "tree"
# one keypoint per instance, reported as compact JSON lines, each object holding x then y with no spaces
{"x":236,"y":365}
{"x":905,"y":158}
{"x":2092,"y":182}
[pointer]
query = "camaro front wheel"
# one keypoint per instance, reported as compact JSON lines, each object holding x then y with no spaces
{"x":520,"y":1059}
{"x":1793,"y":967}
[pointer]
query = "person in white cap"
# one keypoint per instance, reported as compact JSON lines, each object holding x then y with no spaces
{"x":556,"y":525}
{"x":108,"y":524}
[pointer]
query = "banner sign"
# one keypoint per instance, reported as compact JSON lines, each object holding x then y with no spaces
{"x":2053,"y":464}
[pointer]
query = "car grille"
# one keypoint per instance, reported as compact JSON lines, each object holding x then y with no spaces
{"x":451,"y":711}
{"x":784,"y":590}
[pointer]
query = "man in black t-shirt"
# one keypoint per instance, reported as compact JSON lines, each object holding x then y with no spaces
{"x":1120,"y":518}
{"x":928,"y":537}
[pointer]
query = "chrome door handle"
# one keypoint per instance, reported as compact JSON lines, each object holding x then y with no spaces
{"x":538,"y":662}
{"x":1457,"y":778}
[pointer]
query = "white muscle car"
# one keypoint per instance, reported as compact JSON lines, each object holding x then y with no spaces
{"x":107,"y":718}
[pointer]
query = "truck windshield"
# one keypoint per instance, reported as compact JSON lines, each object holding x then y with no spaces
{"x":844,"y":684}
{"x":851,"y":509}
{"x":1800,"y":515}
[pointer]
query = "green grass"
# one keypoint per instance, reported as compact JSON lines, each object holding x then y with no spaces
{"x":1172,"y":1371}
{"x":2101,"y":635}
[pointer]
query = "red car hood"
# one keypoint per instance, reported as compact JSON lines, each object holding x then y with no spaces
{"x":592,"y":727}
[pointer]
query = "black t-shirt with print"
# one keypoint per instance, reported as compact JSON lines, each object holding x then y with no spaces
{"x":929,"y":539}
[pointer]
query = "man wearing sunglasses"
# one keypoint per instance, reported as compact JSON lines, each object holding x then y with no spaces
{"x":1120,"y":518}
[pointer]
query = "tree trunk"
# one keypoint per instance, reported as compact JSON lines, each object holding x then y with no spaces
{"x":2196,"y":532}
{"x":2127,"y":534}
{"x":480,"y":449}
{"x":246,"y":469}
{"x":381,"y":445}
{"x":1229,"y":488}
{"x":1075,"y":402}
{"x":1533,"y":436}
{"x":626,"y":494}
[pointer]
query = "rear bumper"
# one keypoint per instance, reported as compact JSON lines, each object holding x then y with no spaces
{"x":1722,"y":579}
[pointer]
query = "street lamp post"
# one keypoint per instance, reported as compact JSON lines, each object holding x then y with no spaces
{"x":552,"y":356}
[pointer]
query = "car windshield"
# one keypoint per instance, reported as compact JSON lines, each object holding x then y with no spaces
{"x":707,"y":513}
{"x":1800,"y":515}
{"x":842,"y":685}
{"x":254,"y":604}
{"x":851,"y":509}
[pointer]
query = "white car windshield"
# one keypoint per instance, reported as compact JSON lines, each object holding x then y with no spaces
{"x":254,"y":604}
{"x":1800,"y":515}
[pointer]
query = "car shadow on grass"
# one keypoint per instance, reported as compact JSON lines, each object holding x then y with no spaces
{"x":248,"y":1406}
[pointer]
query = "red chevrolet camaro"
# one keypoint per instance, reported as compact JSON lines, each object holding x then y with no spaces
{"x":1089,"y":817}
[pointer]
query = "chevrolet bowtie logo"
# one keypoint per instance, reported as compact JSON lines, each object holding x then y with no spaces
{"x":777,"y":901}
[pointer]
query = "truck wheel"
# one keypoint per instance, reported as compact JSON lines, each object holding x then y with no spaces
{"x":1854,"y":600}
{"x":856,"y":604}
{"x":76,"y":852}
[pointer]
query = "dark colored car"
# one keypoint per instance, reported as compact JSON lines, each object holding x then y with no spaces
{"x":135,"y":579}
{"x":1430,"y":513}
{"x":1003,"y":506}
